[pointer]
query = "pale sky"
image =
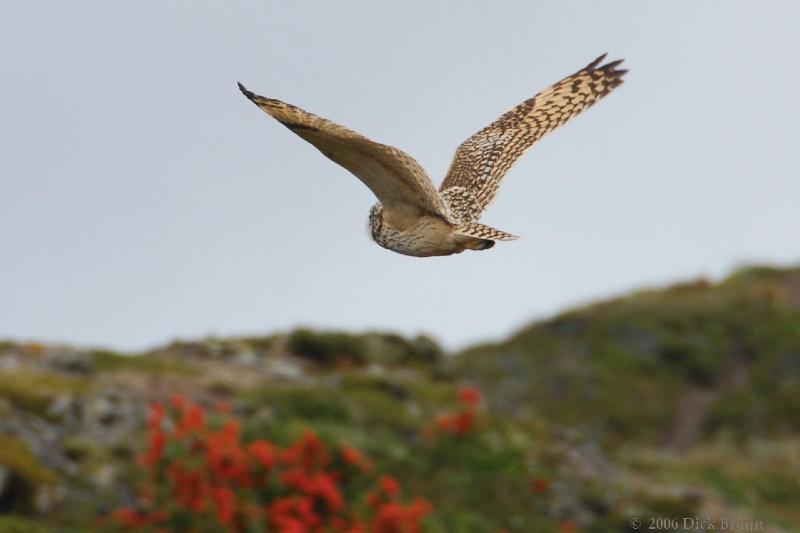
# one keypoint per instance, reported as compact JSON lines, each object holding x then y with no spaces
{"x":145,"y":199}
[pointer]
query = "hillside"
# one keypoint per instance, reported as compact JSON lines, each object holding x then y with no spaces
{"x":673,"y":403}
{"x":667,"y":367}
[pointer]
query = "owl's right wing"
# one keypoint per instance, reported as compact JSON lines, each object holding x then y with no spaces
{"x":394,"y":176}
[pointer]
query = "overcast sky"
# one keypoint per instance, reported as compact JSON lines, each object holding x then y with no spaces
{"x":145,"y":199}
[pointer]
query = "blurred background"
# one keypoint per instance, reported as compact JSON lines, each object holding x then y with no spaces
{"x":533,"y":387}
{"x":146,"y":199}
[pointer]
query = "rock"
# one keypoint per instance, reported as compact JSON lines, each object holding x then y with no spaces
{"x":66,"y":409}
{"x":285,"y":368}
{"x":69,"y":360}
{"x":243,"y":355}
{"x":9,"y":362}
{"x":111,"y":415}
{"x":375,"y":370}
{"x":42,"y":438}
{"x":48,"y":497}
{"x":105,"y":475}
{"x":5,"y":483}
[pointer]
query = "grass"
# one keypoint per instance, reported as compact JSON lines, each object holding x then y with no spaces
{"x":617,"y":369}
{"x":22,"y":524}
{"x":151,"y":364}
{"x":584,"y":402}
{"x":28,"y":475}
{"x":759,"y":476}
{"x":35,"y":391}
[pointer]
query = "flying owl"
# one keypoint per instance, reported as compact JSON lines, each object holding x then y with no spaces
{"x":411,"y":216}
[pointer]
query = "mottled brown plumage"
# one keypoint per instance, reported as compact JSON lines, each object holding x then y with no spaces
{"x":411,"y":217}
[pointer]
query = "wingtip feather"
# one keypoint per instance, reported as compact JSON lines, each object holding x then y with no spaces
{"x":244,"y":90}
{"x":596,"y":62}
{"x":609,"y":68}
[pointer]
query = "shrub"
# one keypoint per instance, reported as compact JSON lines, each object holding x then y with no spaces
{"x":426,"y":350}
{"x":327,"y":347}
{"x":200,"y":476}
{"x":462,"y":422}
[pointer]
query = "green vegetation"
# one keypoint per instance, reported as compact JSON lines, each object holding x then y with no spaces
{"x":322,"y":347}
{"x":25,"y":476}
{"x":35,"y":391}
{"x":21,"y":524}
{"x":328,"y":347}
{"x":665,"y":403}
{"x":617,"y":370}
{"x":153,"y":364}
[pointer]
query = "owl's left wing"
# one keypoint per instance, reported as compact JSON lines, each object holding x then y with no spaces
{"x":481,"y":162}
{"x":398,"y":181}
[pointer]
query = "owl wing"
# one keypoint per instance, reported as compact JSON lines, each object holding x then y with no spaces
{"x":482,"y":160}
{"x":394,"y":176}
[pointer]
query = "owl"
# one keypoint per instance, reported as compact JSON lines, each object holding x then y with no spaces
{"x":412,"y":217}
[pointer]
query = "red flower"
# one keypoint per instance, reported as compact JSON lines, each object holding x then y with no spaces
{"x":388,"y":488}
{"x":213,"y":472}
{"x":470,"y":396}
{"x":293,"y":514}
{"x":194,"y":420}
{"x":539,"y":485}
{"x":464,"y":422}
{"x":458,"y":424}
{"x":568,"y":526}
{"x":395,"y":518}
{"x":309,"y":450}
{"x":130,"y":517}
{"x":356,"y":527}
{"x":227,"y":460}
{"x":298,"y":479}
{"x":157,"y":413}
{"x":326,"y":490}
{"x":154,"y":453}
{"x":191,"y":487}
{"x":351,"y":455}
{"x":224,"y":407}
{"x":263,"y":452}
{"x":354,"y":457}
{"x":389,"y":485}
{"x":179,"y":401}
{"x":231,"y":431}
{"x":225,"y":500}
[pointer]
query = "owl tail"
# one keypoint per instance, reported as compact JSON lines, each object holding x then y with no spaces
{"x":481,"y":231}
